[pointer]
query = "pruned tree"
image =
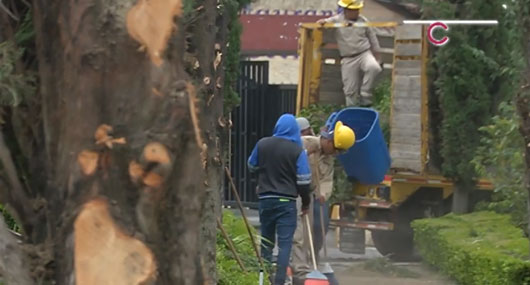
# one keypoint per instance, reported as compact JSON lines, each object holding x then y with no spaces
{"x":112,"y":168}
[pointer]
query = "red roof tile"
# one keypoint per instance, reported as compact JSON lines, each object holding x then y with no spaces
{"x":272,"y":34}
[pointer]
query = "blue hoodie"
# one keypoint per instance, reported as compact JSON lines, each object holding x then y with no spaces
{"x":287,"y":128}
{"x":281,"y":161}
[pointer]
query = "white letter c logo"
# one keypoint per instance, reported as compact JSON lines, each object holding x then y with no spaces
{"x":432,"y":39}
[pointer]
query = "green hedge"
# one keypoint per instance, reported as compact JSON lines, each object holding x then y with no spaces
{"x":477,"y":248}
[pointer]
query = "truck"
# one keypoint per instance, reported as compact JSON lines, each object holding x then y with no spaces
{"x":412,"y":187}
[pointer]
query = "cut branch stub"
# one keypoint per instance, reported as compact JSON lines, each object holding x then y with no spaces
{"x":154,"y":166}
{"x":152,"y":179}
{"x":156,"y":152}
{"x":218,"y":83}
{"x":102,"y":136}
{"x":151,"y":23}
{"x":88,"y":161}
{"x":156,"y":92}
{"x":210,"y":100}
{"x":135,"y":171}
{"x":217,"y":60}
{"x":222,"y":122}
{"x":104,"y":255}
{"x":102,"y":132}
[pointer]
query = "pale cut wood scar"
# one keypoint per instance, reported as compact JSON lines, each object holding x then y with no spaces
{"x":104,"y":254}
{"x":150,"y":22}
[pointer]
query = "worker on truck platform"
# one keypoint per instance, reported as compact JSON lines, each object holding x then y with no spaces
{"x":359,"y":50}
{"x":283,"y":174}
{"x":321,"y":150}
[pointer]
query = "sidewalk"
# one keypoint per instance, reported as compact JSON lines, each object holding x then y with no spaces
{"x":334,"y":253}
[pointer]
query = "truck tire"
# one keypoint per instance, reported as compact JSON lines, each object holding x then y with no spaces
{"x":398,"y":245}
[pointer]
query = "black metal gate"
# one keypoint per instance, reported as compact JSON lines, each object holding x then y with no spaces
{"x":261,"y":106}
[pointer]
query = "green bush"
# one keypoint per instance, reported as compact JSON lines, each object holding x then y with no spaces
{"x":500,"y":158}
{"x":382,"y":104}
{"x":317,"y":114}
{"x":477,"y":248}
{"x":228,"y":269}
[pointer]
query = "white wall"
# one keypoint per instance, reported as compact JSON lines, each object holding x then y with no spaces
{"x":282,"y":70}
{"x":373,"y":10}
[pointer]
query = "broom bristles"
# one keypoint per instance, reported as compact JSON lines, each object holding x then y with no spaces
{"x":316,"y":278}
{"x":316,"y":282}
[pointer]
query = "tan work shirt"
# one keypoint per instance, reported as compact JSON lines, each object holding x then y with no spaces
{"x":322,"y":182}
{"x":354,"y":40}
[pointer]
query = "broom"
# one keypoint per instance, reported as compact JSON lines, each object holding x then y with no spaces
{"x":327,"y":270}
{"x":314,"y":277}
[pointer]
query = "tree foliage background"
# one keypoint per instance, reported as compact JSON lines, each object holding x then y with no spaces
{"x":471,"y":75}
{"x":476,"y":81}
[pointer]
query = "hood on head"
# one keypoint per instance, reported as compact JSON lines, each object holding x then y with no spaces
{"x":287,"y":128}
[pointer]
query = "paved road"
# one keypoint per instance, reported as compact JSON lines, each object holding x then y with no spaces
{"x":371,"y":268}
{"x":411,"y":274}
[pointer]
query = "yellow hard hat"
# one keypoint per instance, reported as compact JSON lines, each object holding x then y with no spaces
{"x":343,"y":136}
{"x":351,"y":4}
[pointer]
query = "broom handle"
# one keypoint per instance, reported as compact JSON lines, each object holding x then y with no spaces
{"x":321,"y":212}
{"x":311,"y":241}
{"x":323,"y":230}
{"x":234,"y":191}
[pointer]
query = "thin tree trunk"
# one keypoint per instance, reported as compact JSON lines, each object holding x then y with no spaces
{"x":460,"y":199}
{"x":523,"y":108}
{"x":208,"y":49}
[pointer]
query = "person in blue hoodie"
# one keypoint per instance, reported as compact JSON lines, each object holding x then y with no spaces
{"x":283,"y":174}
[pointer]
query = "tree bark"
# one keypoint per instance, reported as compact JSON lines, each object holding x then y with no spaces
{"x":13,"y":263}
{"x":209,"y":48}
{"x":130,"y":141}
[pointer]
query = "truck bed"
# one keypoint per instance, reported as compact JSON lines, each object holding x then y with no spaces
{"x":408,"y":119}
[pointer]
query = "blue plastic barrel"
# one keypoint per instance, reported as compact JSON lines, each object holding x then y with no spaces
{"x":368,"y":160}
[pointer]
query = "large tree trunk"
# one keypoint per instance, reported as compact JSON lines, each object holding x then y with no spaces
{"x":129,"y":142}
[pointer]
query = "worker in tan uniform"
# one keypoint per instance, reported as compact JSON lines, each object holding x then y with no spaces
{"x":321,"y":151}
{"x":305,"y":127}
{"x":359,"y":50}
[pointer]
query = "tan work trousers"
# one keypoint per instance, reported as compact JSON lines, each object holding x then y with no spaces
{"x":301,"y":263}
{"x":358,"y":91}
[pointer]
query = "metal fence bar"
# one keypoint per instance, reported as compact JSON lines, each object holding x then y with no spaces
{"x":261,"y":105}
